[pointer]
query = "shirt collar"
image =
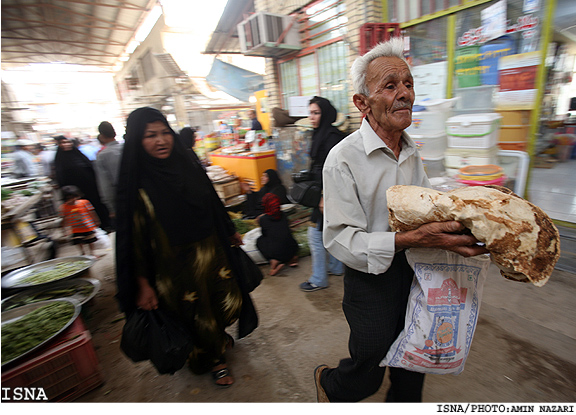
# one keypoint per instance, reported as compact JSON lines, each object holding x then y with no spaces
{"x":372,"y":142}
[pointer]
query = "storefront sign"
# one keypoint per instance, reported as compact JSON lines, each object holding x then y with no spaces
{"x":526,"y":24}
{"x":518,"y":81}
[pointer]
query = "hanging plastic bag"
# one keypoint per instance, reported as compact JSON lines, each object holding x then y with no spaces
{"x":250,"y":276}
{"x":103,"y":240}
{"x":442,"y":313}
{"x":156,"y":336}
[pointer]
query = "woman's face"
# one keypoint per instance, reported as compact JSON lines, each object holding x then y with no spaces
{"x":65,"y":145}
{"x":158,"y":140}
{"x":315,"y":115}
{"x":264,"y":179}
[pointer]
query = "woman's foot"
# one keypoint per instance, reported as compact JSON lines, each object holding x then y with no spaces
{"x":229,"y":342}
{"x":275,"y":267}
{"x":294,"y":261}
{"x":222,"y":376}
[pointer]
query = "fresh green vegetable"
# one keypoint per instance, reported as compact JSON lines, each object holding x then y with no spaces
{"x":244,"y":225}
{"x":27,"y":332}
{"x":6,"y":194}
{"x":81,"y":291}
{"x":301,"y":236}
{"x":61,"y":270}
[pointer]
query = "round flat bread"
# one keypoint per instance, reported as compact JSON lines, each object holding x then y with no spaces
{"x":522,"y":240}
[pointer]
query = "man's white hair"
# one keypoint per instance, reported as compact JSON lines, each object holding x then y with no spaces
{"x":393,"y":48}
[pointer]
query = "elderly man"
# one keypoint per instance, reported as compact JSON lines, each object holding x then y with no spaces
{"x":107,"y":163}
{"x":377,"y":280}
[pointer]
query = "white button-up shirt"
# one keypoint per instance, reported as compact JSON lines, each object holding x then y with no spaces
{"x":356,"y":175}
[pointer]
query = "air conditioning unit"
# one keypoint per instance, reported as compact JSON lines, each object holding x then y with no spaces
{"x":269,"y":35}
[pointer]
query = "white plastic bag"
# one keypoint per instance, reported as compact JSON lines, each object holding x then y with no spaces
{"x":250,"y":247}
{"x":103,"y":241}
{"x":442,"y":312}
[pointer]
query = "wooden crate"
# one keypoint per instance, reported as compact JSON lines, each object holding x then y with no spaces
{"x":228,"y":189}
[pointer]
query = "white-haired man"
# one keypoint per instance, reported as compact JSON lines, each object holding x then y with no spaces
{"x":377,"y":280}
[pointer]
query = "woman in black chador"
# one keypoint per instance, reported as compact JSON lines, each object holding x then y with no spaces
{"x":73,"y":168}
{"x":173,"y":243}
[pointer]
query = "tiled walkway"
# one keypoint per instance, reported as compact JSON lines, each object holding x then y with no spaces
{"x":554,"y":190}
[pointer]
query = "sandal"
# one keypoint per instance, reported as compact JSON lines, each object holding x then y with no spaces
{"x":220,"y":374}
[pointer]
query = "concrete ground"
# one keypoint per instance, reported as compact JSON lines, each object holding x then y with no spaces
{"x":523,"y":349}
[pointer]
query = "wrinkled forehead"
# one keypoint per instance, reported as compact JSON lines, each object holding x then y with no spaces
{"x":387,"y":67}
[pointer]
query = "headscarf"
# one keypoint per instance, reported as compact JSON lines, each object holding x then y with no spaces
{"x":328,"y":116}
{"x":178,"y":189}
{"x":271,"y":204}
{"x":175,"y":185}
{"x":72,"y":167}
{"x":273,"y":181}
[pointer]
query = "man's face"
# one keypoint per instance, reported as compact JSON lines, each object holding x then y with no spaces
{"x":389,"y":105}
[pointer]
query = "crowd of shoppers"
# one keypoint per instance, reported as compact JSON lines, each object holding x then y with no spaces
{"x":175,"y":242}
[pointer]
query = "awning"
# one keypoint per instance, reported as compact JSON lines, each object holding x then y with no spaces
{"x":233,"y":80}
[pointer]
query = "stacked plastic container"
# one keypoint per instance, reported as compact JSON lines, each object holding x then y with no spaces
{"x":428,"y":130}
{"x":472,"y":140}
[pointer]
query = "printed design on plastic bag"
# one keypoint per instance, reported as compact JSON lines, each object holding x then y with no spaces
{"x":441,"y":318}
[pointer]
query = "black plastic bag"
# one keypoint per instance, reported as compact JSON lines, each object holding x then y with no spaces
{"x":156,"y":336}
{"x":251,"y":275}
{"x":306,"y":193}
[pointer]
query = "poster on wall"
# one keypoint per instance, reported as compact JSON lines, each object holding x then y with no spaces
{"x":531,"y":6}
{"x":518,"y":81}
{"x":430,"y":80}
{"x":494,"y":21}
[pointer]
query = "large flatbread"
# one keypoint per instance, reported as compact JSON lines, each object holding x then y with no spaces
{"x":522,"y":240}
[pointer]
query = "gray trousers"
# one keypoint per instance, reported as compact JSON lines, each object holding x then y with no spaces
{"x":375,"y":308}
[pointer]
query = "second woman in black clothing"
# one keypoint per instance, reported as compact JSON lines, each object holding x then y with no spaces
{"x":271,"y":183}
{"x":276,"y":243}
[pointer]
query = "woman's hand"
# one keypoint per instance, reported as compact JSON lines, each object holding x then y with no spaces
{"x":236,"y":240}
{"x":245,"y":187}
{"x":146,"y":298}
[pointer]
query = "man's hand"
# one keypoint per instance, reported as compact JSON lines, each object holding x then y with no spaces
{"x":442,"y":235}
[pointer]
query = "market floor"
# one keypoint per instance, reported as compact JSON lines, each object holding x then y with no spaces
{"x":523,"y":348}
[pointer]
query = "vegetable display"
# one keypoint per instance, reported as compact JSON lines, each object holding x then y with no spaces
{"x":59,"y":271}
{"x":22,"y":335}
{"x":81,"y":291}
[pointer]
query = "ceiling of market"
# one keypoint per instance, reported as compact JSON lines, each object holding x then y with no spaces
{"x":83,"y":32}
{"x":96,"y":33}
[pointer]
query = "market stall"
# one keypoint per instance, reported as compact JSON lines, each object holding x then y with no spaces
{"x":26,"y":203}
{"x":47,"y":351}
{"x":247,"y":165}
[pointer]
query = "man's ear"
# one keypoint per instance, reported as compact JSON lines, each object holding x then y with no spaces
{"x":361,"y":102}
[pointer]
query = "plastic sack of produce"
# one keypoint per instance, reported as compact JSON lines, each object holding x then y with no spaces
{"x":250,"y":247}
{"x":442,"y":313}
